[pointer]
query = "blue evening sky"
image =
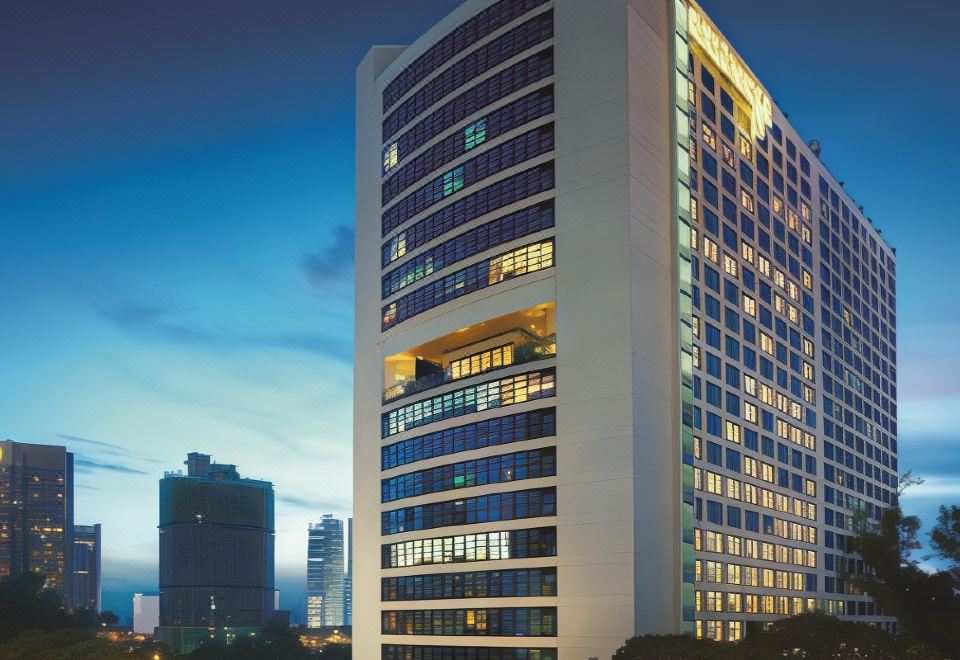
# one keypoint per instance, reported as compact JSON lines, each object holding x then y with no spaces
{"x":176,"y":209}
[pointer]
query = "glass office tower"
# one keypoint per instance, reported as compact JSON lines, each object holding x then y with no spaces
{"x":36,"y":513}
{"x":216,"y":554}
{"x":86,"y":566}
{"x":625,"y":348}
{"x":325,"y":575}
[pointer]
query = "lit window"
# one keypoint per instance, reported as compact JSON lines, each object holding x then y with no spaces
{"x":452,"y":181}
{"x":729,"y":265}
{"x":807,"y":280}
{"x":806,"y":234}
{"x":750,"y":412}
{"x":475,"y":134}
{"x":746,"y":251}
{"x":527,"y":259}
{"x":694,"y":238}
{"x":728,"y":156}
{"x":792,"y":221}
{"x":693,"y":209}
{"x":733,"y":432}
{"x":750,"y":385}
{"x":749,"y":305}
{"x":746,"y":199}
{"x":398,"y":246}
{"x":763,"y":264}
{"x":390,"y":157}
{"x":746,"y":147}
{"x":805,"y":211}
{"x":777,"y":205}
{"x":710,"y":250}
{"x":709,"y":137}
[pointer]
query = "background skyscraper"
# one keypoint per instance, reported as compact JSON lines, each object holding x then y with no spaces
{"x":87,"y":551}
{"x":36,"y":513}
{"x":216,"y":554}
{"x":630,"y":348}
{"x":348,"y":578}
{"x":325,"y":573}
{"x":146,"y":613}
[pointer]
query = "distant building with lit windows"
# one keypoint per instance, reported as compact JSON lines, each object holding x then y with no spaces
{"x":87,"y":549}
{"x":216,"y":554}
{"x":625,"y":348}
{"x":36,"y":513}
{"x":325,"y":573}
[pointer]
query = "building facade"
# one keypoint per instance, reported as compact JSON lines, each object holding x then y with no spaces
{"x":86,"y":567}
{"x":146,"y":613}
{"x":348,"y":578}
{"x":216,"y":554}
{"x":325,"y":576}
{"x":36,"y":513}
{"x":628,"y":346}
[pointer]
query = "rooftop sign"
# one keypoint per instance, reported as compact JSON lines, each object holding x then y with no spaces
{"x":707,"y":37}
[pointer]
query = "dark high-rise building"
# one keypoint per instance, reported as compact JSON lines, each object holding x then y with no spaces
{"x":325,"y":578}
{"x":86,"y":567}
{"x":36,"y":512}
{"x":216,"y":554}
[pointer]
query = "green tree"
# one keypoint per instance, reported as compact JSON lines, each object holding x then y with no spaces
{"x":925,"y":604}
{"x":675,"y":647}
{"x":945,"y":538}
{"x":818,"y":635}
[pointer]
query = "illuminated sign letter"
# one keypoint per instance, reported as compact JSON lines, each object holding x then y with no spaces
{"x":714,"y":46}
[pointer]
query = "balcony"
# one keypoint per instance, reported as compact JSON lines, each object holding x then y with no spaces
{"x":518,"y":338}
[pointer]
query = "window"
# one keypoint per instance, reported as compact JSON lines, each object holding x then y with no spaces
{"x":710,"y":250}
{"x":484,"y":546}
{"x":749,"y":305}
{"x":746,"y":251}
{"x":486,"y":433}
{"x":730,"y":265}
{"x":709,"y":137}
{"x":746,"y":147}
{"x":527,"y":259}
{"x":475,"y":134}
{"x":506,"y":622}
{"x":390,"y":157}
{"x":513,"y":505}
{"x":746,"y":199}
{"x":452,"y":181}
{"x":491,"y":394}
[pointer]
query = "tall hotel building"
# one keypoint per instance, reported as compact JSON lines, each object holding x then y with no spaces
{"x":625,"y":347}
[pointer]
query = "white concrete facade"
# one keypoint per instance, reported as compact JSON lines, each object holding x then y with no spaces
{"x":615,"y":284}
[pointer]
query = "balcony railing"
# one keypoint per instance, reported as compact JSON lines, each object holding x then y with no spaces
{"x":533,"y":348}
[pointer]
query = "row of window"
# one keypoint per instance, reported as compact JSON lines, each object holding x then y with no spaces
{"x":483,"y":396}
{"x":751,"y":576}
{"x":465,"y":35}
{"x":485,"y":546}
{"x":496,"y":232}
{"x":480,"y":472}
{"x":738,"y":546}
{"x":722,"y":601}
{"x":407,"y":652}
{"x":512,"y":79}
{"x":537,"y":30}
{"x":509,"y":583}
{"x":500,"y":121}
{"x":513,"y":152}
{"x":494,"y":622}
{"x":486,"y":200}
{"x":519,"y":261}
{"x":515,"y":505}
{"x":487,"y":433}
{"x":712,"y":482}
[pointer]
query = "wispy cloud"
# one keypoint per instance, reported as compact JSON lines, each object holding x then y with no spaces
{"x":87,"y":465}
{"x":157,"y":323}
{"x":318,"y":505}
{"x":334,"y":263}
{"x":89,"y":441}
